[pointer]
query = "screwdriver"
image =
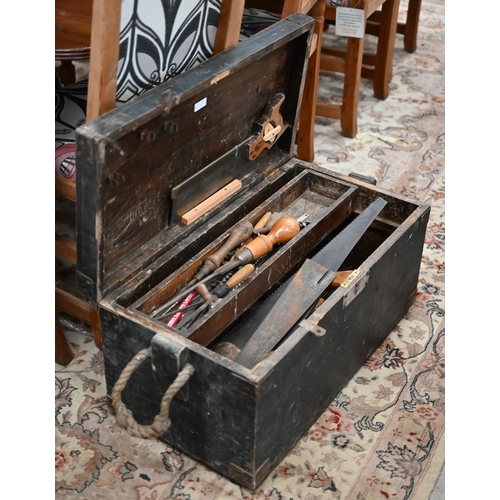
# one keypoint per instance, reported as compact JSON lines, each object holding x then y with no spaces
{"x":282,"y":231}
{"x":220,"y":291}
{"x":239,"y":234}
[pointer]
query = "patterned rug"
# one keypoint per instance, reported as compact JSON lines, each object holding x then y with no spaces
{"x":383,"y":435}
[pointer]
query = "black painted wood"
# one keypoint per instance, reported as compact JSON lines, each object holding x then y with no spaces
{"x":130,"y":158}
{"x":238,"y":421}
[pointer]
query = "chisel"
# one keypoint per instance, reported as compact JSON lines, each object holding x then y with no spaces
{"x":282,"y":231}
{"x":220,"y":291}
{"x":240,"y":233}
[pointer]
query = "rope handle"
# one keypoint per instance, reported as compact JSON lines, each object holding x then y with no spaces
{"x":124,"y":417}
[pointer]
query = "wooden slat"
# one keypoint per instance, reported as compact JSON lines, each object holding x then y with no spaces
{"x":211,"y":202}
{"x":372,"y":27}
{"x":369,"y":59}
{"x":368,"y":72}
{"x":334,"y":51}
{"x":328,"y":110}
{"x":66,"y":248}
{"x":229,"y":25}
{"x":330,"y":63}
{"x":73,"y":305}
{"x":104,"y":57}
{"x":65,"y":188}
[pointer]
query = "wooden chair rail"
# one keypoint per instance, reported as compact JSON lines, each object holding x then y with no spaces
{"x":80,"y":309}
{"x":65,"y":188}
{"x":66,"y":248}
{"x":408,"y":29}
{"x":377,"y":67}
{"x":64,"y":355}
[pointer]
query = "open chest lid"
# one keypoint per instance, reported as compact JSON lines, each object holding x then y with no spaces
{"x":143,"y":165}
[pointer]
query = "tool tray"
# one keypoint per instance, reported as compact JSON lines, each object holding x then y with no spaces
{"x":143,"y":166}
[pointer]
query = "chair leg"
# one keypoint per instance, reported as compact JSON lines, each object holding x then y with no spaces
{"x":305,"y":135}
{"x":67,"y":72}
{"x":64,"y":355}
{"x":95,"y":325}
{"x":411,"y":29}
{"x":352,"y":78}
{"x":385,"y":48}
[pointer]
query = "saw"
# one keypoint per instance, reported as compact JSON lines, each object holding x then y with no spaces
{"x":285,"y":307}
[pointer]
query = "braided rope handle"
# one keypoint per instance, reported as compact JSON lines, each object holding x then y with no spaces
{"x":124,"y":417}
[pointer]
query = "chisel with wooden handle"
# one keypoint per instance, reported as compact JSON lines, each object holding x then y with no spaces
{"x":282,"y":231}
{"x":211,"y":298}
{"x":240,"y":233}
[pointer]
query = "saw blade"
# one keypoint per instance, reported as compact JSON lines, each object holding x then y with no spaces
{"x":284,"y":308}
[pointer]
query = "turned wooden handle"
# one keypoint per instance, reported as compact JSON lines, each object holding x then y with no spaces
{"x":239,"y":234}
{"x":260,"y":224}
{"x":240,"y":275}
{"x":282,"y":231}
{"x":204,"y":293}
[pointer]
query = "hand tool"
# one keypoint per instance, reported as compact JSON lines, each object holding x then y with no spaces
{"x":178,"y":315}
{"x":282,"y":231}
{"x":240,"y":233}
{"x":195,"y":302}
{"x":211,"y":298}
{"x":230,"y":350}
{"x":285,"y":307}
{"x":266,"y":228}
{"x":261,"y":223}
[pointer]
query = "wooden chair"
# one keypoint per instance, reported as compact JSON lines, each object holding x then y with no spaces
{"x":72,"y":36}
{"x":101,"y":97}
{"x":354,"y":64}
{"x":408,"y":29}
{"x":315,"y":9}
{"x":64,"y":355}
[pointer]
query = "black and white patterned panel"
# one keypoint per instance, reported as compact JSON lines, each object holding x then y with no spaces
{"x":255,"y":20}
{"x":70,"y":104}
{"x":160,"y":39}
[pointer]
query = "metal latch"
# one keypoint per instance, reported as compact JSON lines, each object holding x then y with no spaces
{"x":268,"y":128}
{"x":355,"y":284}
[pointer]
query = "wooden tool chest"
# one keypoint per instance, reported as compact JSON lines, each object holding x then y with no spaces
{"x":145,"y":169}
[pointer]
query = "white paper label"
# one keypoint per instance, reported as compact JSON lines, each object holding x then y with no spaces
{"x":350,"y":22}
{"x":200,"y":104}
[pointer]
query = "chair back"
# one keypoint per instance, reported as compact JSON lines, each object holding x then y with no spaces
{"x":136,"y":45}
{"x":160,"y":39}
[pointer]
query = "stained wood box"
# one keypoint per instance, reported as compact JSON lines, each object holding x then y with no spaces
{"x":144,"y":165}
